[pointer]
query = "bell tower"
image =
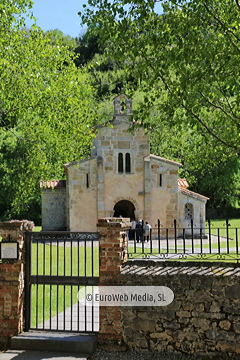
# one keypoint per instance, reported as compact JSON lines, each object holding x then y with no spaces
{"x":122,"y":107}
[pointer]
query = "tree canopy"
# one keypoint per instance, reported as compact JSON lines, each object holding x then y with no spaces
{"x":46,"y":111}
{"x":189,"y":56}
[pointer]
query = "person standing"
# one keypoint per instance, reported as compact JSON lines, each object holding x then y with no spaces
{"x":139,"y":231}
{"x":132,"y":230}
{"x":147,"y":231}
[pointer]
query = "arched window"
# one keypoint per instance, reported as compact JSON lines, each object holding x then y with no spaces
{"x":188,"y":211}
{"x":123,"y":105}
{"x":120,"y":163}
{"x":127,"y":163}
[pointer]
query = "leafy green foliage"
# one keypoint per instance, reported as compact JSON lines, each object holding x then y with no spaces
{"x":58,"y":38}
{"x":189,"y":55}
{"x":46,"y":113}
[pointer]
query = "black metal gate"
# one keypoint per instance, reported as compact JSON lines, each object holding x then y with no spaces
{"x":59,"y":265}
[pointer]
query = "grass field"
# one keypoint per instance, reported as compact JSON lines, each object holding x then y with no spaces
{"x":221,"y":225}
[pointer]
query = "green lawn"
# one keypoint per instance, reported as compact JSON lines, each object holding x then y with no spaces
{"x":221,"y":225}
{"x":37,"y":229}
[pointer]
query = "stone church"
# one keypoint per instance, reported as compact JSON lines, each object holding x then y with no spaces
{"x":120,"y":178}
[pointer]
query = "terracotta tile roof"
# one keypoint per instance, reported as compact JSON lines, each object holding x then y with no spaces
{"x":52,"y":184}
{"x":192,"y":194}
{"x":183,"y":183}
{"x":165,"y":160}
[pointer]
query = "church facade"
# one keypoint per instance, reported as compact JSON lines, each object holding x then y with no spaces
{"x":120,"y":178}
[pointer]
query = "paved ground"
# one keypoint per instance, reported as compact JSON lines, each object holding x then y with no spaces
{"x":39,"y":355}
{"x":88,"y":319}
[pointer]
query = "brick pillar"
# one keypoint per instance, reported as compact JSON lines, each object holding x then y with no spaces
{"x":113,"y":253}
{"x":12,"y":281}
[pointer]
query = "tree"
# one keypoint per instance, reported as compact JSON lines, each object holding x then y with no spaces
{"x":57,"y":37}
{"x":208,"y":169}
{"x":88,"y":47}
{"x":189,"y":56}
{"x":46,"y":113}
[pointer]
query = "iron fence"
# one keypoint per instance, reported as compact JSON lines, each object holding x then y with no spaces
{"x":58,"y":266}
{"x":205,"y":243}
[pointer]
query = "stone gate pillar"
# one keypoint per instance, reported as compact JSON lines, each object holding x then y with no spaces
{"x":113,"y":253}
{"x":12,"y":280}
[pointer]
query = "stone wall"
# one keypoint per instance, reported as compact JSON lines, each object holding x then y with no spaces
{"x":54,"y":215}
{"x":203,"y":318}
{"x":198,"y":213}
{"x":12,"y":281}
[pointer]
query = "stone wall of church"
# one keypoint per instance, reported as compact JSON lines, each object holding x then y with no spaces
{"x":54,"y":215}
{"x":82,"y":195}
{"x":191,"y":208}
{"x":164,"y":193}
{"x":121,"y":185}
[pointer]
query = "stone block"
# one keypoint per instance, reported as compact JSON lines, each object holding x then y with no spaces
{"x":123,"y":144}
{"x":233,"y":291}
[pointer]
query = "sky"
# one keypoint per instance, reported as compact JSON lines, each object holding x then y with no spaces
{"x":59,"y":14}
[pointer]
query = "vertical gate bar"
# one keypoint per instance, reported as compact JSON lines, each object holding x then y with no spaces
{"x":85,"y":257}
{"x":201,"y":240}
{"x":64,"y":306}
{"x":44,"y":273}
{"x":236,"y":241}
{"x":50,"y":310}
{"x":92,"y":258}
{"x":158,"y":223}
{"x":134,"y":242}
{"x":64,"y":257}
{"x":92,"y":275}
{"x":50,"y":257}
{"x":44,"y":256}
{"x":43,"y":305}
{"x":78,"y":271}
{"x":64,"y":288}
{"x":85,"y":314}
{"x":219,"y":243}
{"x":37,"y":263}
{"x":27,"y":300}
{"x":92,"y":312}
{"x":57,"y":258}
{"x":192,"y":237}
{"x":227,"y":225}
{"x":78,"y":310}
{"x":184,"y":241}
{"x":36,"y":306}
{"x":151,"y":248}
{"x":175,"y":234}
{"x":71,"y":270}
{"x":71,"y":309}
{"x":71,"y":257}
{"x":57,"y":306}
{"x":57,"y":285}
{"x":209,"y":235}
{"x":167,"y":240}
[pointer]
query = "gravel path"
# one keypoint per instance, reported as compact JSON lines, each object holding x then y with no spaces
{"x":146,"y":355}
{"x":134,"y":355}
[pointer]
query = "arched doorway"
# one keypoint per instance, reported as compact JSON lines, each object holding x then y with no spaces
{"x":124,"y":208}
